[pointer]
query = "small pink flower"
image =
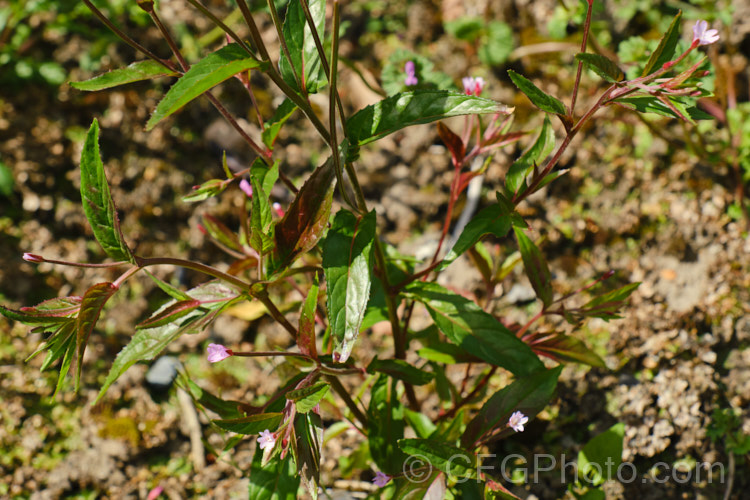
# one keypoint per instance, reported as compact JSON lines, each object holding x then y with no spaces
{"x":702,"y":35}
{"x":517,"y":420}
{"x":32,"y":257}
{"x":277,"y":208}
{"x":411,"y":74}
{"x":380,"y":479}
{"x":473,"y":86}
{"x":267,"y":440}
{"x":246,"y":188}
{"x":217,"y":352}
{"x":155,"y":493}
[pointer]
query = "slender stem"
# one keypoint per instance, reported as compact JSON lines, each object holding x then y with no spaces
{"x":196,"y":266}
{"x":348,"y":401}
{"x":218,"y":22}
{"x":35,"y":259}
{"x":254,"y":33}
{"x":584,"y":43}
{"x":259,"y":354}
{"x":170,"y":41}
{"x":127,"y":274}
{"x":263,"y":153}
{"x":452,"y":412}
{"x":525,"y":327}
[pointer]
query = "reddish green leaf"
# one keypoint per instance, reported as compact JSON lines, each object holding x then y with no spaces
{"x":91,"y":307}
{"x":141,"y":70}
{"x":606,"y":306}
{"x":202,"y":76}
{"x":170,"y":314}
{"x":304,"y":223}
{"x":453,"y":142}
{"x":206,"y":190}
{"x":563,"y":348}
{"x":665,"y":51}
{"x":252,"y":424}
{"x":347,"y":262}
{"x":98,"y":205}
{"x":526,"y":394}
{"x":221,"y":233}
{"x":536,"y":267}
{"x":50,"y":312}
{"x":496,"y":491}
{"x":306,"y":336}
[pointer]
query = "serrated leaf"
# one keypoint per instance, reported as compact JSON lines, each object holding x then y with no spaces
{"x":276,"y":480}
{"x":135,"y":72}
{"x":306,"y":335}
{"x":494,"y":220}
{"x":307,"y":398}
{"x":97,"y":202}
{"x":529,"y":395}
{"x":665,"y":51}
{"x":564,"y":348}
{"x":536,"y":267}
{"x":208,"y":189}
{"x":202,"y":76}
{"x":147,"y":343}
{"x":474,"y":330}
{"x":535,"y":155}
{"x":410,"y":108}
{"x":347,"y":262}
{"x":252,"y":424}
{"x":607,"y":305}
{"x":274,"y":124}
{"x":400,"y":370}
{"x":452,"y":461}
{"x":305,"y":221}
{"x":304,"y":54}
{"x":91,"y":307}
{"x":170,"y":314}
{"x":601,"y":456}
{"x":602,"y":66}
{"x":538,"y":98}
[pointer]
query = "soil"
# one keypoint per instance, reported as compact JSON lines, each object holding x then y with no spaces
{"x":651,"y":212}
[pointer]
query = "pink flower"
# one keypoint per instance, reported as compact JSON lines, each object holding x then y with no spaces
{"x":473,"y":86}
{"x":411,"y":77}
{"x":267,"y":440}
{"x":380,"y":479}
{"x":702,"y":35}
{"x":517,"y":420}
{"x":155,"y":493}
{"x":246,"y":188}
{"x":217,"y":352}
{"x":32,"y":257}
{"x":277,"y":208}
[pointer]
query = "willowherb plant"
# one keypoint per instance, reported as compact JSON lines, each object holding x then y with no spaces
{"x":348,"y":270}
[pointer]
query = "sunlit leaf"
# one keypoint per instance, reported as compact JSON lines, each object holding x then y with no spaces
{"x":665,"y":51}
{"x":601,"y":456}
{"x":274,"y":124}
{"x":602,"y":66}
{"x":306,"y":398}
{"x":91,"y":307}
{"x":304,"y":54}
{"x":535,"y":155}
{"x":276,"y":480}
{"x":141,"y":70}
{"x":208,"y":189}
{"x":564,"y":348}
{"x":308,"y":438}
{"x":453,"y":461}
{"x":252,"y":424}
{"x":538,"y":98}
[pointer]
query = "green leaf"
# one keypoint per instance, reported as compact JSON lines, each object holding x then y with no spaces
{"x":527,"y":394}
{"x":299,"y":39}
{"x":202,"y":76}
{"x":267,"y":176}
{"x":91,"y":307}
{"x":543,"y":101}
{"x":386,"y":419}
{"x":170,"y":314}
{"x":497,"y":45}
{"x":447,"y":353}
{"x":50,"y":312}
{"x":307,"y":398}
{"x":276,"y":480}
{"x":535,"y":155}
{"x":494,"y":219}
{"x":306,"y":335}
{"x":147,"y":343}
{"x":208,"y":189}
{"x":465,"y":28}
{"x":665,"y":51}
{"x":221,"y":233}
{"x":400,"y":370}
{"x":600,"y":459}
{"x":141,"y":70}
{"x":225,"y":409}
{"x":274,"y":124}
{"x":421,"y":423}
{"x":535,"y":266}
{"x":261,"y":220}
{"x":607,"y":305}
{"x":6,"y":180}
{"x":410,"y":108}
{"x":252,"y":424}
{"x":304,"y":223}
{"x":165,"y":287}
{"x":97,"y":202}
{"x":347,"y":262}
{"x":452,"y":461}
{"x":477,"y":332}
{"x":564,"y":348}
{"x":602,"y":66}
{"x":308,"y":438}
{"x":68,"y":347}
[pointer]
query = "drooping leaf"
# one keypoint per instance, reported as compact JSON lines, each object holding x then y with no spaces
{"x":170,"y":314}
{"x":276,"y":480}
{"x":400,"y":370}
{"x":274,"y":124}
{"x":600,"y":458}
{"x":495,"y":219}
{"x":347,"y":262}
{"x":606,"y":306}
{"x":411,"y":108}
{"x":564,"y":348}
{"x":208,"y":189}
{"x":304,"y":223}
{"x":308,"y":438}
{"x":306,"y":335}
{"x":97,"y":202}
{"x":91,"y":307}
{"x":538,"y":98}
{"x":252,"y":424}
{"x":535,"y":155}
{"x":202,"y":76}
{"x":453,"y":461}
{"x":310,"y":74}
{"x":536,"y":267}
{"x":602,"y":66}
{"x":147,"y":343}
{"x":477,"y":332}
{"x":665,"y":51}
{"x":135,"y":72}
{"x":526,"y":394}
{"x":306,"y":398}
